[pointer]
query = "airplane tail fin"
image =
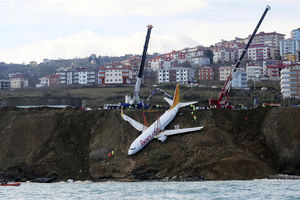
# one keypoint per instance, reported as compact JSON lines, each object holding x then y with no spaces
{"x":176,"y":100}
{"x":176,"y":97}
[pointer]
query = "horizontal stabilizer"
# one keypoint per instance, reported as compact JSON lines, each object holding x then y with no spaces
{"x":170,"y":101}
{"x":178,"y":131}
{"x":187,"y":103}
{"x":137,"y":125}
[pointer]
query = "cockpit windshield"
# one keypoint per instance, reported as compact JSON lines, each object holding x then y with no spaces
{"x":133,"y":148}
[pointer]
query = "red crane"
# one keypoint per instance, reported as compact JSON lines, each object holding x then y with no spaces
{"x":221,"y":102}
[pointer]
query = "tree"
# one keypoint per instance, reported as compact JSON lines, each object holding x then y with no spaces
{"x":208,"y":53}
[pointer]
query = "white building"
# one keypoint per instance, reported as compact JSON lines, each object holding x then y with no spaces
{"x":254,"y":72}
{"x":18,"y":81}
{"x":239,"y":79}
{"x":82,"y":76}
{"x":224,"y":72}
{"x":115,"y":73}
{"x":160,"y":62}
{"x":289,"y":81}
{"x":270,"y":39}
{"x":85,"y":76}
{"x":176,"y":75}
{"x":200,"y":61}
{"x":289,"y":46}
{"x":44,"y":82}
{"x":260,"y":52}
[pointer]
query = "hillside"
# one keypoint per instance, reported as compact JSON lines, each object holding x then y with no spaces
{"x":75,"y":144}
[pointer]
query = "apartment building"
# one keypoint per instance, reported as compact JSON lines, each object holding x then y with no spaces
{"x":49,"y":81}
{"x":274,"y":71}
{"x":82,"y":76}
{"x":295,"y":34}
{"x":223,"y":54}
{"x":269,"y":39}
{"x":289,"y":46}
{"x":176,"y":75}
{"x":260,"y":52}
{"x":160,"y":62}
{"x":224,"y":72}
{"x":290,"y":81}
{"x":134,"y":63}
{"x":228,"y":51}
{"x":206,"y":73}
{"x":200,"y":61}
{"x":239,"y":79}
{"x":18,"y":81}
{"x":254,"y":72}
{"x":4,"y":84}
{"x":196,"y":56}
{"x":115,"y":74}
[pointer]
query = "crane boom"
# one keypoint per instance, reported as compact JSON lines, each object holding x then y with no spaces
{"x":136,"y":97}
{"x":226,"y":88}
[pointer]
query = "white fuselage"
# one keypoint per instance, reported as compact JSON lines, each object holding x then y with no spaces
{"x":159,"y":125}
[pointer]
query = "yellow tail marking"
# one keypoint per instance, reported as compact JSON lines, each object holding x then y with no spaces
{"x":122,"y":113}
{"x":176,"y":97}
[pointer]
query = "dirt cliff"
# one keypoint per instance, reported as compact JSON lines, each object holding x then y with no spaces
{"x":75,"y":144}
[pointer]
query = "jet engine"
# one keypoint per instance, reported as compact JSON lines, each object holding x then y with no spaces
{"x":162,"y":138}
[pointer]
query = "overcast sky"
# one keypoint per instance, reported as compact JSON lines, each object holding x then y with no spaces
{"x":38,"y":29}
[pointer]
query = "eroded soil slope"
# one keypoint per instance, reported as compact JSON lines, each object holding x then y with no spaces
{"x":75,"y":144}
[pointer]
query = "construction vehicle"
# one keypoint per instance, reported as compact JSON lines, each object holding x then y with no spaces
{"x":222,"y":101}
{"x":135,"y":99}
{"x":159,"y":90}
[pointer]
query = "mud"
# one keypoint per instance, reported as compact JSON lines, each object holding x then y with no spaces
{"x":73,"y":144}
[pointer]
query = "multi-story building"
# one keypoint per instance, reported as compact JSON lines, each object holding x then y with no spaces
{"x":44,"y":82}
{"x":254,"y":72}
{"x":193,"y":52}
{"x":223,"y":54}
{"x":114,"y":74}
{"x":176,"y":75}
{"x":133,"y":62}
{"x":54,"y":80}
{"x":228,"y":51}
{"x":206,"y":73}
{"x":260,"y":52}
{"x":289,"y":46}
{"x":160,"y":62}
{"x":295,"y":34}
{"x":4,"y":84}
{"x":200,"y":61}
{"x":274,"y":71}
{"x":82,"y":76}
{"x":176,"y":56}
{"x":289,"y":81}
{"x":18,"y":81}
{"x":269,"y":39}
{"x":49,"y":81}
{"x":224,"y":72}
{"x":239,"y":79}
{"x":196,"y":56}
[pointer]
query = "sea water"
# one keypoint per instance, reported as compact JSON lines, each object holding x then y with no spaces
{"x":256,"y":189}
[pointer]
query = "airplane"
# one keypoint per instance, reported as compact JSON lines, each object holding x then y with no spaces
{"x":156,"y":130}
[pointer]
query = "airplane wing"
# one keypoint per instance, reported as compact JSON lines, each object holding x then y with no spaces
{"x":170,"y":101}
{"x":178,"y":131}
{"x":137,"y":125}
{"x":187,"y":103}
